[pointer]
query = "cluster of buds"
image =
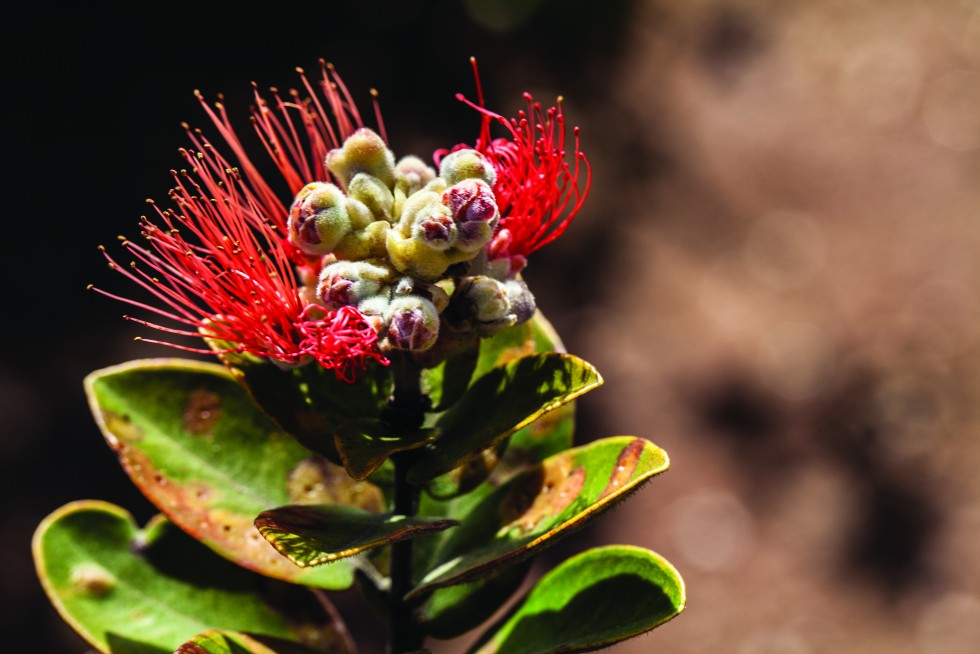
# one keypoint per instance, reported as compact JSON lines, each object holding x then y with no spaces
{"x":407,"y":246}
{"x":372,"y":255}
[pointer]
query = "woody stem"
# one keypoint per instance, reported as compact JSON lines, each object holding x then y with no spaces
{"x":406,"y":412}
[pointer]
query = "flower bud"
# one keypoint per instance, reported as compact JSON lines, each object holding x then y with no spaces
{"x":362,"y":152}
{"x":318,"y":218}
{"x":350,"y":282}
{"x":412,"y":256}
{"x":432,"y":292}
{"x":367,"y":243}
{"x":411,"y":174}
{"x":374,"y":195}
{"x":413,"y":323}
{"x":487,"y":305}
{"x":466,"y":164}
{"x":473,"y":207}
{"x":435,"y":228}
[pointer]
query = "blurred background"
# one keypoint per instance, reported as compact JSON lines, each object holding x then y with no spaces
{"x":776,"y":273}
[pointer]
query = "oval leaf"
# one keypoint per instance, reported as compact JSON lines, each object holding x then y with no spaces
{"x":592,"y":600}
{"x":452,"y":611}
{"x":128,"y":590}
{"x":232,"y":642}
{"x":542,"y":503}
{"x":365,"y":444}
{"x":195,"y":443}
{"x":501,"y":402}
{"x":533,"y":337}
{"x":313,"y":535}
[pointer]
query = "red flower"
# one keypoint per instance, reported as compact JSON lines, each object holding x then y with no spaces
{"x":218,"y":263}
{"x":537,"y":188}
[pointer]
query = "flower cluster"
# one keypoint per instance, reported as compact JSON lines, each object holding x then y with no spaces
{"x":373,"y":254}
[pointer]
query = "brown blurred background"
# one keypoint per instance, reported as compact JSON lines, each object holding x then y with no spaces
{"x":776,"y":273}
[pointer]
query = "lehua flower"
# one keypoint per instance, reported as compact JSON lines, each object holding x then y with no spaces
{"x":219,"y":262}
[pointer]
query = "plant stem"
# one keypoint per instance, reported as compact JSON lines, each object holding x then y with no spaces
{"x":406,"y":412}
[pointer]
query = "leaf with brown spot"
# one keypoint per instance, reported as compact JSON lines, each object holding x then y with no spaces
{"x":196,"y":444}
{"x":127,"y":590}
{"x":538,"y":506}
{"x":233,"y":642}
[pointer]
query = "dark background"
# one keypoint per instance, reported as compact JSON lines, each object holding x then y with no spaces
{"x":776,"y":273}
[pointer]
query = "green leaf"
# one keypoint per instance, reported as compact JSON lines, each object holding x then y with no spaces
{"x":447,"y":382}
{"x":540,"y":504}
{"x":499,"y":403}
{"x":452,"y":611}
{"x":313,"y":535}
{"x":231,"y":642}
{"x":513,"y":343}
{"x":365,"y":444}
{"x":194,"y":442}
{"x":309,"y":402}
{"x":592,"y":600}
{"x":132,"y":591}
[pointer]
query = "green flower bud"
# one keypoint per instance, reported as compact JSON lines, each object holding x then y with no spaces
{"x":362,"y":152}
{"x":411,"y":174}
{"x":466,"y":164}
{"x":360,"y":215}
{"x":487,"y":305}
{"x":412,"y":286}
{"x":374,"y":194}
{"x":318,"y":218}
{"x":413,"y":323}
{"x":367,"y":243}
{"x":412,"y":256}
{"x":350,"y":282}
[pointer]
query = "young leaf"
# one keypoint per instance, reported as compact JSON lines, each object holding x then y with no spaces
{"x":541,"y":504}
{"x":592,"y":600}
{"x":499,"y":403}
{"x":313,"y":535}
{"x":365,"y":444}
{"x":132,"y":591}
{"x":194,"y":442}
{"x":309,"y":402}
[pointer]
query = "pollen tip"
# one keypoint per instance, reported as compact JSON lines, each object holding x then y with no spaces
{"x":299,"y":69}
{"x":101,"y":248}
{"x":374,"y":93}
{"x":185,"y":125}
{"x":89,"y":287}
{"x":472,"y":59}
{"x":137,"y":338}
{"x":198,"y":94}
